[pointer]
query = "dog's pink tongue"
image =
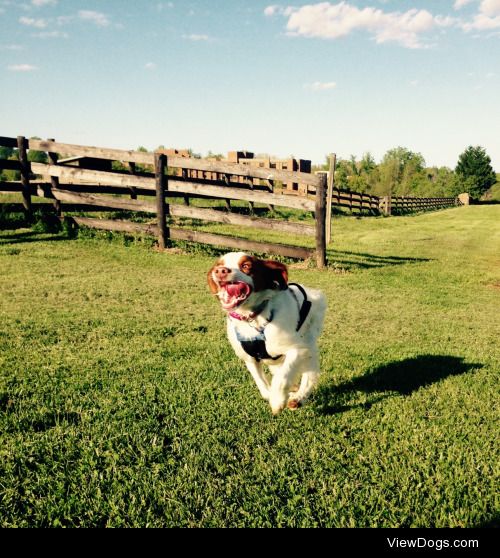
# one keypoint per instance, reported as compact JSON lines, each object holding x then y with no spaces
{"x":237,"y":289}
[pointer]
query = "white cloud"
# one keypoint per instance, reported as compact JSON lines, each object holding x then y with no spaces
{"x":98,"y":18}
{"x":272,"y":10}
{"x":459,"y":4}
{"x":320,"y":86}
{"x":488,"y":17}
{"x":22,"y":68}
{"x":161,"y":6}
{"x":150,"y":66}
{"x":64,"y":20}
{"x":332,"y":21}
{"x":51,"y":35}
{"x":196,"y":38}
{"x":32,"y":22}
{"x":490,"y":7}
{"x":41,"y":3}
{"x":11,"y":47}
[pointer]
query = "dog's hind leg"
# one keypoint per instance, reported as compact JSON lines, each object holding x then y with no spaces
{"x":257,"y":371}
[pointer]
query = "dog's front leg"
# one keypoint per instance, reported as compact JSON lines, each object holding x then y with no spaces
{"x":257,"y":370}
{"x":283,"y":379}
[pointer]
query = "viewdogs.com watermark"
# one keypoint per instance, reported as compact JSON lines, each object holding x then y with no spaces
{"x":432,"y":544}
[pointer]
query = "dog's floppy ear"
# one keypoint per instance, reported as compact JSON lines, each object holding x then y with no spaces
{"x":211,"y":283}
{"x":278,"y":273}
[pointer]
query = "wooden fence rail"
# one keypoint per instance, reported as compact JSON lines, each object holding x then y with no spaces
{"x":89,"y":185}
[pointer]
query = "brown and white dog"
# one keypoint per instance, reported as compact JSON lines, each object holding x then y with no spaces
{"x":271,"y":322}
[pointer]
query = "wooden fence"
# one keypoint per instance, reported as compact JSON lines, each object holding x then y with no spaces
{"x":356,"y":201}
{"x":364,"y":203}
{"x":156,"y":175}
{"x":84,"y":180}
{"x":399,"y":205}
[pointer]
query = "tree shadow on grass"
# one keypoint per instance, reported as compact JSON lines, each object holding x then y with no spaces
{"x":400,"y":378}
{"x":362,"y":260}
{"x":29,"y":236}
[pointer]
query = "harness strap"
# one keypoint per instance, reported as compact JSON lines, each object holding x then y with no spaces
{"x":257,"y":349}
{"x":306,"y":305}
{"x":256,"y":346}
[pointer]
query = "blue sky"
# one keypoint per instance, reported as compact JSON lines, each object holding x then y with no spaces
{"x":293,"y":78}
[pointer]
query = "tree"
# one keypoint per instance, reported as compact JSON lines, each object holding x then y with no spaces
{"x":474,"y":168}
{"x":367,"y":164}
{"x":6,"y":152}
{"x":342,"y":175}
{"x":400,"y":172}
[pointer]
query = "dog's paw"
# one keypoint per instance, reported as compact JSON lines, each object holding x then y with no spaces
{"x":276,"y":410}
{"x":294,"y":404}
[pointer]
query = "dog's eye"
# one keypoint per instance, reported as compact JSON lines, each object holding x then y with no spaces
{"x":246,"y":267}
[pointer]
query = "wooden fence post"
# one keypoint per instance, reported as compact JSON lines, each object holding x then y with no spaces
{"x":320,"y":215}
{"x":133,"y":191}
{"x":185,"y":176}
{"x":25,"y":176}
{"x":162,"y":209}
{"x":386,"y":205}
{"x":54,"y":181}
{"x":329,"y":197}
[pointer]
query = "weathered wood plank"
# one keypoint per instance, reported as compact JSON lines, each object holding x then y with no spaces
{"x":242,"y":244}
{"x":320,"y":214}
{"x":161,"y":206}
{"x":126,"y":156}
{"x":8,"y":187}
{"x":48,"y":207}
{"x":9,"y":142}
{"x":10,"y":164}
{"x":91,"y":188}
{"x":243,"y":170}
{"x":53,"y":157}
{"x":329,"y":196}
{"x":100,"y":201}
{"x":237,"y":194}
{"x":192,"y":236}
{"x":178,"y":162}
{"x":118,"y":226}
{"x":25,"y":174}
{"x":242,"y":220}
{"x":106,"y":178}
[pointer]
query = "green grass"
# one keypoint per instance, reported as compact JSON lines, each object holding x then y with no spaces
{"x":122,"y":404}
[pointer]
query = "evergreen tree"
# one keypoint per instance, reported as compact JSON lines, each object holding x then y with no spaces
{"x":475,"y":170}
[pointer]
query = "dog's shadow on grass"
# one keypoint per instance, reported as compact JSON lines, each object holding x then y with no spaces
{"x":397,"y":378}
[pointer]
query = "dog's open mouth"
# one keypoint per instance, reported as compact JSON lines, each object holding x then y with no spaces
{"x":232,"y":295}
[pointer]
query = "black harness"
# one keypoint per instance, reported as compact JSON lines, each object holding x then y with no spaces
{"x":256,"y":345}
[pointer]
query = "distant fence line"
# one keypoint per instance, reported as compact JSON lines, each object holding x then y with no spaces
{"x":82,"y":179}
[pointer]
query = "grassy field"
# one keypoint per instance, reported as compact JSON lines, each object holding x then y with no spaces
{"x":122,"y":404}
